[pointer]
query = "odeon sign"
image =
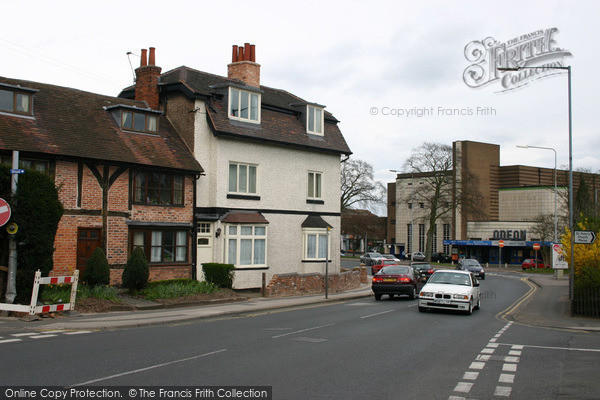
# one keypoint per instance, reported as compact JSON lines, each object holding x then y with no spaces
{"x":509,"y":234}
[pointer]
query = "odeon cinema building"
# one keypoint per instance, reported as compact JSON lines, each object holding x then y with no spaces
{"x":511,"y":198}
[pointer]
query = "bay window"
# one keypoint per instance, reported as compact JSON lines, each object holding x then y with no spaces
{"x":246,"y":245}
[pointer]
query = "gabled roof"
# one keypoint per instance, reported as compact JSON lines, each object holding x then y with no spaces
{"x":280,"y":120}
{"x":75,"y":124}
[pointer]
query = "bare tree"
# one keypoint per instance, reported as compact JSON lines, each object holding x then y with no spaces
{"x":439,"y":189}
{"x":543,"y":230}
{"x":359,"y":187}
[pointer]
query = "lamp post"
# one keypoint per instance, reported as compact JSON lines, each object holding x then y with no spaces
{"x":568,"y":69}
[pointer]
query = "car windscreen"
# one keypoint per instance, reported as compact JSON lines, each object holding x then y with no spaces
{"x":395,"y":270}
{"x":450,"y":278}
{"x":422,"y":266}
{"x":470,"y":263}
{"x":388,"y":262}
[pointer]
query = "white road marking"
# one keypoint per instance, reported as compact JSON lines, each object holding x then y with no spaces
{"x":300,"y":331}
{"x":502,"y":391}
{"x":515,"y":346}
{"x":470,"y":375}
{"x":482,"y":357}
{"x":25,"y":334}
{"x":77,"y":332}
{"x":477,"y":365}
{"x":511,"y":359}
{"x":10,"y":340}
{"x":493,"y":345}
{"x":379,"y":313}
{"x":488,"y":351}
{"x":135,"y":371}
{"x":515,"y":352}
{"x":41,"y":336}
{"x":509,"y":367}
{"x":463,"y":387}
{"x":506,"y":378}
{"x":54,"y":331}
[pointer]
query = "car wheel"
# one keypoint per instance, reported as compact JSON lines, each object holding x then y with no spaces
{"x":470,"y":309}
{"x":478,"y":304}
{"x":483,"y":277}
{"x":377,"y":296}
{"x":391,"y":296}
{"x":413,"y":294}
{"x":422,"y":309}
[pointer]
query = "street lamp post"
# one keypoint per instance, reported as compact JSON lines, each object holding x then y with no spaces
{"x":558,"y":272}
{"x":568,"y":69}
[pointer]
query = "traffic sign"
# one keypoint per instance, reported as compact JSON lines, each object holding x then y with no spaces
{"x":4,"y":212}
{"x":17,"y":171}
{"x":584,"y":237}
{"x":558,"y":257}
{"x":501,"y":243}
{"x":536,"y":246}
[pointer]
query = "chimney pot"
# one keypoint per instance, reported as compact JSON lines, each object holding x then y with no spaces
{"x":152,"y":59}
{"x":234,"y":56}
{"x":252,"y":53}
{"x":144,"y":60}
{"x":246,"y":51}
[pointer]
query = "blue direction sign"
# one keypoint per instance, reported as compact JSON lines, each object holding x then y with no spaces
{"x":17,"y":171}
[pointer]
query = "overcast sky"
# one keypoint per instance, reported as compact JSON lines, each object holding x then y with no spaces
{"x":363,"y":60}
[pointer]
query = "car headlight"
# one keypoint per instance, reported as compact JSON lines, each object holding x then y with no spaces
{"x":426,"y":294}
{"x":460,"y":297}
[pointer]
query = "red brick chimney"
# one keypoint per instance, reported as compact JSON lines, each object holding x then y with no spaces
{"x":243,"y":65}
{"x":146,"y":80}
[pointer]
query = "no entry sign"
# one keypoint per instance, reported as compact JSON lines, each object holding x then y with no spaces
{"x":4,"y":212}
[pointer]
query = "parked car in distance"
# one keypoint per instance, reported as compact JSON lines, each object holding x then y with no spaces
{"x":391,"y":257}
{"x":450,"y":290}
{"x":396,"y":280}
{"x":473,"y":266}
{"x":423,"y":268}
{"x":533,"y":263}
{"x":369,"y":258}
{"x":417,"y":256}
{"x":375,"y":268}
{"x":441,"y":257}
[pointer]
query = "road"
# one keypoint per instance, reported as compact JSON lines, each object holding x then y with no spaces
{"x":361,"y":349}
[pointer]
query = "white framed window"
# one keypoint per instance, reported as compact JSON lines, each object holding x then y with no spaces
{"x":247,"y":245}
{"x":314,"y":120}
{"x":242,"y":178}
{"x":244,"y":105}
{"x":316,"y":244}
{"x":314,"y":185}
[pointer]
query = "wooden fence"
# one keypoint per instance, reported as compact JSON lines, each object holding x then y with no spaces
{"x":586,"y":302}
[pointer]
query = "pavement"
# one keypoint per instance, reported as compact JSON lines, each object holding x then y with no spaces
{"x":546,"y":306}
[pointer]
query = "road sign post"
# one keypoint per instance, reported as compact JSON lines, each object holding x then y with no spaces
{"x":500,"y":246}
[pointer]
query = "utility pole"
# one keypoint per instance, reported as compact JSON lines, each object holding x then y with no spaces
{"x":11,"y":285}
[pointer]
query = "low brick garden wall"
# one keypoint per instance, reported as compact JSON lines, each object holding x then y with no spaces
{"x":294,"y":284}
{"x":156,"y":274}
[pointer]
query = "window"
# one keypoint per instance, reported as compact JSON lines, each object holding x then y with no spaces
{"x":421,"y":205}
{"x":38,"y":165}
{"x":421,"y":237}
{"x":409,"y":238}
{"x":247,"y":245}
{"x":162,"y":245}
{"x":158,"y":188}
{"x":15,"y":102}
{"x":244,"y":105}
{"x":446,"y":236}
{"x":314,"y":120}
{"x":409,"y":206}
{"x":242,"y":178}
{"x":434,"y":248}
{"x":137,"y":121}
{"x":204,"y":227}
{"x":314,"y":185}
{"x":316,"y":246}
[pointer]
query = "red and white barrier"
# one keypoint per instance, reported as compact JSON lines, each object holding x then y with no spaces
{"x":33,"y":308}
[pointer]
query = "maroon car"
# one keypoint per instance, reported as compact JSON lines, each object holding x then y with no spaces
{"x":396,"y":280}
{"x":533,"y":263}
{"x":375,"y":268}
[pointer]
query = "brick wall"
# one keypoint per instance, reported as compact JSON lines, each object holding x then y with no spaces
{"x":294,"y":284}
{"x":88,"y":216}
{"x":246,"y":71}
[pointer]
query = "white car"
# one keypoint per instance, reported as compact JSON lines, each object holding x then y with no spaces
{"x":450,"y":290}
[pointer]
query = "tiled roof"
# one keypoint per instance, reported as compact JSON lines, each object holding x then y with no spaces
{"x":280,"y":122}
{"x":242,"y":217}
{"x":72,"y":123}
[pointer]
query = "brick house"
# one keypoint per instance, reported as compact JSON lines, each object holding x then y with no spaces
{"x":125,"y":177}
{"x":272,"y":160}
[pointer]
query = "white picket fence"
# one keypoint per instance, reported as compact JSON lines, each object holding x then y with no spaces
{"x":33,"y":308}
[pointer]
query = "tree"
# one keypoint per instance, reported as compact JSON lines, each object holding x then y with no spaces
{"x":359,"y":187}
{"x":439,"y":189}
{"x":544,"y":231}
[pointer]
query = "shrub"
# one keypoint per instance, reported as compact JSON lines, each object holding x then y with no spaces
{"x":137,"y":271}
{"x":97,"y":271}
{"x":219,"y":274}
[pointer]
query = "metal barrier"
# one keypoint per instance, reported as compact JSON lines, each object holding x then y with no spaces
{"x":33,"y":308}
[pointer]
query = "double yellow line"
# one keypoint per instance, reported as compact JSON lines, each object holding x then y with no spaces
{"x":502,"y":315}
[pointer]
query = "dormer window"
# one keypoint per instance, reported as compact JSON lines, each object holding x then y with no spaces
{"x":314,"y":120}
{"x":244,"y":105}
{"x":15,"y":102}
{"x":139,"y":122}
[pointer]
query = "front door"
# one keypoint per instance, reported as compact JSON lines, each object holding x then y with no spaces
{"x":87,"y":241}
{"x":204,"y":249}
